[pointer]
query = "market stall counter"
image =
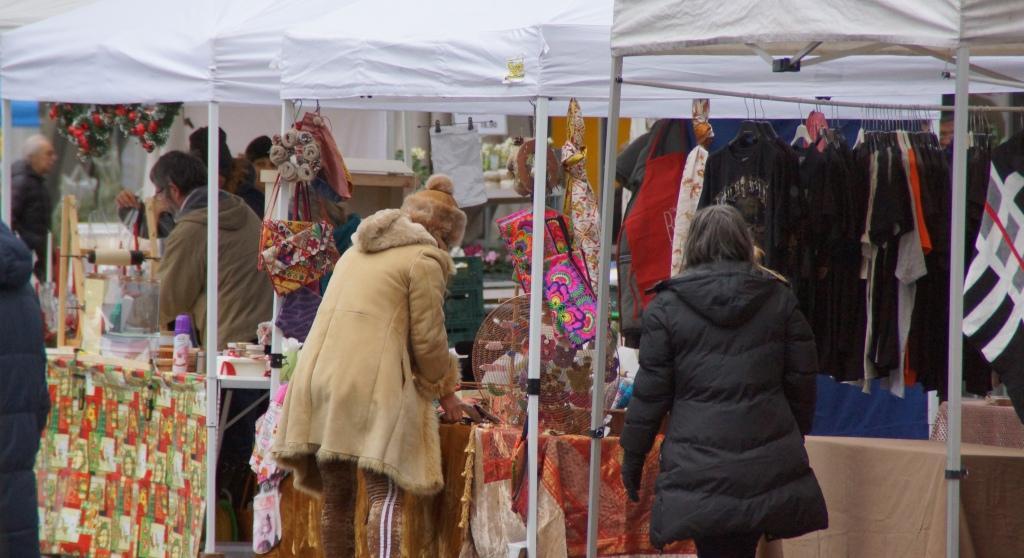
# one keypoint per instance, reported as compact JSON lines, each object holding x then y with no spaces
{"x":983,"y":423}
{"x":475,"y":515}
{"x":887,"y":498}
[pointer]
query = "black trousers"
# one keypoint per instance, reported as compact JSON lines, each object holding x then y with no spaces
{"x":740,"y":545}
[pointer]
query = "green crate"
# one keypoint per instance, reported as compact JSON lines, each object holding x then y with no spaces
{"x":469,"y":273}
{"x":463,"y":304}
{"x":462,"y":331}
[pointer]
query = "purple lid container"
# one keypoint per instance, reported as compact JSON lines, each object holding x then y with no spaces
{"x":183,"y":325}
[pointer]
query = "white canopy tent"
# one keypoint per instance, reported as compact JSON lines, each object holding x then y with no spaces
{"x":194,"y":51}
{"x":422,"y":58}
{"x":15,"y":13}
{"x":426,"y":59}
{"x":808,"y":33}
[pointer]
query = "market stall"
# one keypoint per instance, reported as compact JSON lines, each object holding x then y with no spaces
{"x":786,"y":35}
{"x":465,"y":62}
{"x":192,"y":53}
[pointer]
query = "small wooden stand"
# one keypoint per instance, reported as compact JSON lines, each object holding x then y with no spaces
{"x":71,"y":260}
{"x":68,"y":246}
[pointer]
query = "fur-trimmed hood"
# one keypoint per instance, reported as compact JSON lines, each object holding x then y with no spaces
{"x":389,"y":228}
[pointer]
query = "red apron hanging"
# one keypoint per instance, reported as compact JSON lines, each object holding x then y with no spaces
{"x":649,"y":223}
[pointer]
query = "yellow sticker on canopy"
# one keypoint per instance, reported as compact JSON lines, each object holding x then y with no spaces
{"x":516,"y":70}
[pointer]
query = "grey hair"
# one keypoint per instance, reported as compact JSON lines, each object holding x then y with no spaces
{"x":33,"y":144}
{"x":718,"y":233}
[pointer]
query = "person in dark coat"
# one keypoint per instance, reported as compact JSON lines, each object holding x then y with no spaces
{"x":31,"y":206}
{"x":24,"y":399}
{"x":237,"y":175}
{"x":726,"y":353}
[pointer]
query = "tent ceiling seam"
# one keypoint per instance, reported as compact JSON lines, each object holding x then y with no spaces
{"x":806,"y":101}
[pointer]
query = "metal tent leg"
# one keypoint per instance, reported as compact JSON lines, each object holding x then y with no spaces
{"x":603,"y":307}
{"x":212,"y":258}
{"x":956,"y":302}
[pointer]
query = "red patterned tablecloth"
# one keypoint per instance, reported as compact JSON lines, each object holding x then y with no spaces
{"x":990,"y":425}
{"x":565,"y":466}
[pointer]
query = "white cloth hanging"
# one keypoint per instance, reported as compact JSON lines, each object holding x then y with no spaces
{"x":689,"y":195}
{"x":455,"y":151}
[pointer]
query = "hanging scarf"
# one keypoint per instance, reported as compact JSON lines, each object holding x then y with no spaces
{"x":580,"y":203}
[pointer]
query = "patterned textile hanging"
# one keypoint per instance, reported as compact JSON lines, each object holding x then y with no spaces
{"x":692,"y":182}
{"x":580,"y":202}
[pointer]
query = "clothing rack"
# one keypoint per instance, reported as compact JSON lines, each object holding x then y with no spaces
{"x":815,"y":101}
{"x":469,"y":124}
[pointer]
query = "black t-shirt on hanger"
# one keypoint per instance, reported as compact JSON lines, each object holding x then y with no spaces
{"x":753,"y":179}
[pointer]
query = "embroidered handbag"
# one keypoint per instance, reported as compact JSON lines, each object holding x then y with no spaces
{"x":296,"y":253}
{"x":517,"y":232}
{"x":570,"y":298}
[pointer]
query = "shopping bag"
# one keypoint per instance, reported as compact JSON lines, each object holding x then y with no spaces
{"x":516,"y":230}
{"x":650,"y":221}
{"x":570,"y":297}
{"x":296,"y":253}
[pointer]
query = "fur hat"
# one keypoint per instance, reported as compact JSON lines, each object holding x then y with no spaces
{"x":435,"y":209}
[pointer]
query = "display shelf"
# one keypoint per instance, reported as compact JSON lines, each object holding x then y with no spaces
{"x":243,"y":382}
{"x":505,"y":196}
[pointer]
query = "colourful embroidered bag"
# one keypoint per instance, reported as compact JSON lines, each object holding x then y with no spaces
{"x":517,"y":232}
{"x":570,"y":298}
{"x":296,"y":253}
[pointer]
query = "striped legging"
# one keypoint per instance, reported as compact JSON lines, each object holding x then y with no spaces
{"x":384,"y":522}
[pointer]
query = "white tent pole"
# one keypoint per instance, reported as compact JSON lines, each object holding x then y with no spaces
{"x":211,"y":346}
{"x":5,"y":173}
{"x":280,"y":212}
{"x":406,"y":141}
{"x":611,"y":144}
{"x":956,"y":303}
{"x":540,"y":191}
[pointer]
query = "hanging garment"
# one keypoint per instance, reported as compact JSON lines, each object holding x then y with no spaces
{"x":630,"y":171}
{"x":651,"y":217}
{"x":911,"y":265}
{"x":580,"y":202}
{"x":994,"y":288}
{"x":455,"y":151}
{"x":686,"y":203}
{"x":756,"y":179}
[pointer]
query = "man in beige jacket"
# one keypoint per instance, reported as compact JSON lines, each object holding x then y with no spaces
{"x":245,"y":294}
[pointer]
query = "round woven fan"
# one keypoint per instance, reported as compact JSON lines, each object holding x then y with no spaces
{"x":500,"y":355}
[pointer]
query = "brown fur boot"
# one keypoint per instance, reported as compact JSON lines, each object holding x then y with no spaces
{"x":337,"y":524}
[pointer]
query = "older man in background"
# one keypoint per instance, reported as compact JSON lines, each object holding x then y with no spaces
{"x":31,"y":206}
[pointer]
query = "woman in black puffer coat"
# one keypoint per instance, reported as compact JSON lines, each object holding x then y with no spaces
{"x":728,"y":354}
{"x":24,"y":400}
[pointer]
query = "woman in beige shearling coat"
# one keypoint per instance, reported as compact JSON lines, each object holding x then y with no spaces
{"x":374,"y":362}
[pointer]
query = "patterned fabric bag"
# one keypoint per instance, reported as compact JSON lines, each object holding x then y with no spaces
{"x":298,"y":310}
{"x":570,"y":297}
{"x":296,"y":253}
{"x":517,"y":232}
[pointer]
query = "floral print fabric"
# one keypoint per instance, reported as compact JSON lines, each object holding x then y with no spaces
{"x":580,"y":202}
{"x":689,"y":194}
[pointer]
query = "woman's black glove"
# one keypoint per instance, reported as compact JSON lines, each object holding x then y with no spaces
{"x":632,"y":473}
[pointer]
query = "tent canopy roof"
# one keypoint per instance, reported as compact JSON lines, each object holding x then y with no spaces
{"x":421,"y":58}
{"x":188,"y":50}
{"x":783,"y":27}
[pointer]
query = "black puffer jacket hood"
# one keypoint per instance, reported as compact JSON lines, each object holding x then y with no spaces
{"x":723,"y":297}
{"x":727,"y":353}
{"x":15,"y":262}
